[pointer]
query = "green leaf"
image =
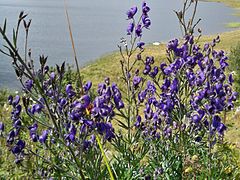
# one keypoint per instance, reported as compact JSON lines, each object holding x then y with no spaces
{"x":14,"y":39}
{"x":121,"y":124}
{"x":104,"y":157}
{"x":5,"y":26}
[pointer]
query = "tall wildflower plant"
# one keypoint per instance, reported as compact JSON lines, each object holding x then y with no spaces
{"x":167,"y":116}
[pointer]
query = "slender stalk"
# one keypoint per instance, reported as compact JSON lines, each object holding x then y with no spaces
{"x":73,"y":47}
{"x":104,"y":157}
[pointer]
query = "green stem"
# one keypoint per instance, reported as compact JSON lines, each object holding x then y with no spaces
{"x":105,"y":158}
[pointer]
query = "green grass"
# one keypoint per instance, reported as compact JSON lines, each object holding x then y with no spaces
{"x":230,"y":3}
{"x":233,"y":25}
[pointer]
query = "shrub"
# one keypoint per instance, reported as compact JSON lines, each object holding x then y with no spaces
{"x":165,"y":123}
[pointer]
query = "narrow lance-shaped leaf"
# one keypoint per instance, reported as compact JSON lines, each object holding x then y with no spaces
{"x":5,"y":26}
{"x":14,"y":38}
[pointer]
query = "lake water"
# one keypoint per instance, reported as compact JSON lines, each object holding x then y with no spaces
{"x":97,"y":27}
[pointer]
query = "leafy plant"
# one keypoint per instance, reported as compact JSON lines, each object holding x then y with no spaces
{"x":165,"y":123}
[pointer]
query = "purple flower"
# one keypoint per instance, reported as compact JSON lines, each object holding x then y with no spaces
{"x":87,"y":86}
{"x":52,"y":76}
{"x":138,"y":30}
{"x":43,"y":137}
{"x":230,"y":79}
{"x":69,"y":90}
{"x":62,"y":102}
{"x":36,"y":108}
{"x":136,"y":81}
{"x":132,"y":12}
{"x":72,"y":133}
{"x":140,"y":45}
{"x":20,"y":145}
{"x":147,"y":69}
{"x":146,"y":21}
{"x":141,"y":96}
{"x":216,"y":121}
{"x":118,"y":103}
{"x":33,"y":132}
{"x":17,"y":110}
{"x":10,"y":100}
{"x":1,"y":127}
{"x":85,"y":101}
{"x":168,"y":70}
{"x":107,"y":129}
{"x":145,"y":8}
{"x":221,"y":128}
{"x":130,"y":28}
{"x":154,"y":72}
{"x":29,"y":84}
{"x":174,"y":86}
{"x":17,"y":124}
{"x":196,"y":119}
{"x":86,"y":145}
{"x":138,"y":121}
{"x":16,"y":101}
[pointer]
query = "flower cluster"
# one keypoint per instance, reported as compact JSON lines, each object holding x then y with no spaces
{"x":76,"y":119}
{"x":194,"y":91}
{"x":136,"y":29}
{"x":13,"y":140}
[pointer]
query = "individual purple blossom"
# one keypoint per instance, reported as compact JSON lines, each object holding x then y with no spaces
{"x":16,"y":101}
{"x":138,"y":30}
{"x":36,"y":108}
{"x":72,"y":133}
{"x":151,"y":87}
{"x":146,"y":21}
{"x":141,"y":96}
{"x":196,"y":119}
{"x":46,"y":69}
{"x":174,"y":86}
{"x":136,"y":81}
{"x":118,"y":103}
{"x":107,"y":129}
{"x":17,"y":124}
{"x":29,"y":84}
{"x":33,"y":132}
{"x":230,"y":79}
{"x":62,"y":102}
{"x":140,"y":45}
{"x":20,"y":145}
{"x":86,"y":144}
{"x":138,"y":121}
{"x":154,"y":73}
{"x":43,"y":137}
{"x":1,"y":126}
{"x":147,"y":69}
{"x":216,"y":121}
{"x":132,"y":12}
{"x":130,"y":28}
{"x":221,"y":128}
{"x":85,"y":101}
{"x":16,"y":111}
{"x":69,"y":90}
{"x":10,"y":100}
{"x":52,"y":76}
{"x":87,"y":86}
{"x":166,"y":84}
{"x":168,"y":70}
{"x":11,"y":136}
{"x":145,"y":8}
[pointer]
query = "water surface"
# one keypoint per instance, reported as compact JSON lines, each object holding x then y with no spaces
{"x":97,"y":27}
